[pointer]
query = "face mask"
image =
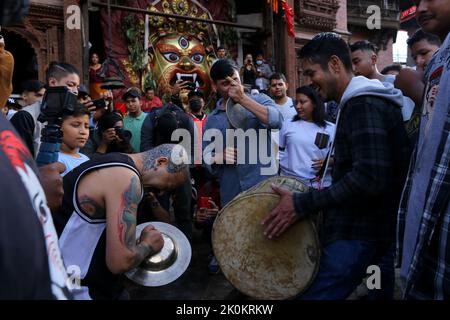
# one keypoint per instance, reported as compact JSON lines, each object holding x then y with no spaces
{"x":259,"y":62}
{"x":195,"y":105}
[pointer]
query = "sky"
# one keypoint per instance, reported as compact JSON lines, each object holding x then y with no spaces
{"x":400,"y":48}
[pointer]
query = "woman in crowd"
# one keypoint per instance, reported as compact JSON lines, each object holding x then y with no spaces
{"x":95,"y":78}
{"x":306,"y":140}
{"x":248,"y":71}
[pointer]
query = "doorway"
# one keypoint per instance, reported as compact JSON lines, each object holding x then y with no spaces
{"x":25,"y":59}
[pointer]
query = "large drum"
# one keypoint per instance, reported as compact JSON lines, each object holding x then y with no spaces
{"x":261,"y":268}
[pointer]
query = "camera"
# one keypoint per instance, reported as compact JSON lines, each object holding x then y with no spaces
{"x":123,"y":134}
{"x":99,"y":103}
{"x":57,"y":102}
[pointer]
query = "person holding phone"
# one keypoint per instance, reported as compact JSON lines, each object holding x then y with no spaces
{"x":306,"y":139}
{"x":248,"y":71}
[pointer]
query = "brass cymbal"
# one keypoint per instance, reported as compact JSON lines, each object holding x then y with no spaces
{"x":167,"y":265}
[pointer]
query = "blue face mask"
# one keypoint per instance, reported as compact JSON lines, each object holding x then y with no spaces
{"x":259,"y":62}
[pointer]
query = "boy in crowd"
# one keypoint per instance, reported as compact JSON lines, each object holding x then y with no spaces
{"x":75,"y":129}
{"x":364,"y":59}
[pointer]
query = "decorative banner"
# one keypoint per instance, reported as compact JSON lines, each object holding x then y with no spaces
{"x":289,"y":13}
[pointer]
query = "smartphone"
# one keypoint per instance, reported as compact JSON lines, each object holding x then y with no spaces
{"x":204,"y":202}
{"x":322,"y":140}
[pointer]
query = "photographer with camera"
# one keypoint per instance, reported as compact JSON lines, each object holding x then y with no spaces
{"x":248,"y":71}
{"x":26,"y":121}
{"x":108,"y":137}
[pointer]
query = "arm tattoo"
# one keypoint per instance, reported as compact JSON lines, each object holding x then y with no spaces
{"x":92,"y":207}
{"x":141,"y":251}
{"x":127,"y":216}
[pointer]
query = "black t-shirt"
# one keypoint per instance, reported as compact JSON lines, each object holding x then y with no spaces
{"x":24,"y":124}
{"x":26,"y":227}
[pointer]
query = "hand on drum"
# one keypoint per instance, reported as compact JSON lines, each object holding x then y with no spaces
{"x":282,"y":217}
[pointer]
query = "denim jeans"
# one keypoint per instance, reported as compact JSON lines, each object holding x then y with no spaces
{"x":343,"y":265}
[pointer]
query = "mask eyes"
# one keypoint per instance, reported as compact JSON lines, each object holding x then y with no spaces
{"x":171,"y":57}
{"x":197,"y":58}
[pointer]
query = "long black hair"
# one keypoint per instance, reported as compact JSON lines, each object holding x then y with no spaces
{"x":318,"y":114}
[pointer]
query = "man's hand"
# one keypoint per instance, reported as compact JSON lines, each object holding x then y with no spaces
{"x":236,"y":91}
{"x":90,"y":106}
{"x":282,"y":217}
{"x":107,"y":95}
{"x":52,"y":184}
{"x":409,"y":81}
{"x":228,"y":156}
{"x":152,"y":238}
{"x":179,"y":84}
{"x":109,"y":136}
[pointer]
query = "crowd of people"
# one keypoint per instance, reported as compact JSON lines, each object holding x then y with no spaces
{"x":371,"y":146}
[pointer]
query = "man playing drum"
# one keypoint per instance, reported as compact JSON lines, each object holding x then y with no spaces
{"x":371,"y":159}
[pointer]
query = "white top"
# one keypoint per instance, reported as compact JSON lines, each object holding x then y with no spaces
{"x":71,"y":162}
{"x":298,"y":139}
{"x":287,"y":110}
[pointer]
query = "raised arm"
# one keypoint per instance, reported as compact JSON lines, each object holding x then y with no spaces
{"x":122,"y":251}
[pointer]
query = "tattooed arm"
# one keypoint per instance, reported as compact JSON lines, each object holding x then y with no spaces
{"x":122,"y":251}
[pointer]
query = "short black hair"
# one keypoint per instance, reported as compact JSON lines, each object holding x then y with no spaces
{"x":392,"y":67}
{"x":318,"y":113}
{"x":222,"y":69}
{"x":32,"y":86}
{"x":149,"y":88}
{"x":59,"y":70}
{"x":364,"y":45}
{"x":277,"y":76}
{"x":420,"y":35}
{"x":323,"y":46}
{"x":221,"y":48}
{"x":79,"y":110}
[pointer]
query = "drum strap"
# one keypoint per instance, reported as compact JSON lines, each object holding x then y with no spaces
{"x":327,"y":162}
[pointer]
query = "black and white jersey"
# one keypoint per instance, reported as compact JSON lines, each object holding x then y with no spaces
{"x":83,"y":239}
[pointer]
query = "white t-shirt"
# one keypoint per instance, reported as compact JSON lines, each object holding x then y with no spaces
{"x":71,"y":162}
{"x":298,"y":139}
{"x":287,"y":110}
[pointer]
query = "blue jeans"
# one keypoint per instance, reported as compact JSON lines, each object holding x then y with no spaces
{"x":343,"y":265}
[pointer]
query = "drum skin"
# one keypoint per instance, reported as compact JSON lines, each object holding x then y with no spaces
{"x":256,"y":266}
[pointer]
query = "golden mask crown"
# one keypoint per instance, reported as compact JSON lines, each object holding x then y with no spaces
{"x":166,"y":25}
